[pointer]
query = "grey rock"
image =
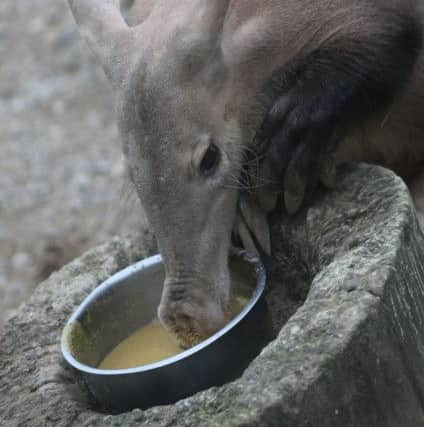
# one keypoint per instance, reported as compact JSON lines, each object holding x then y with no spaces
{"x":346,"y":295}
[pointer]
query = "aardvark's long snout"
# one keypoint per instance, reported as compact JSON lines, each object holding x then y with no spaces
{"x":193,"y":308}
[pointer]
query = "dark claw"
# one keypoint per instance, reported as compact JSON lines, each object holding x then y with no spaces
{"x":301,"y":177}
{"x":295,"y":181}
{"x":278,"y":154}
{"x":276,"y":115}
{"x":328,"y":170}
{"x":301,"y":135}
{"x":294,"y":192}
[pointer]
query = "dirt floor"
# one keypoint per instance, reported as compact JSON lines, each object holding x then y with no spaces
{"x":62,"y":179}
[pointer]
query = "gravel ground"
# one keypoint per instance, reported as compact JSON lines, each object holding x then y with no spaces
{"x":62,"y":179}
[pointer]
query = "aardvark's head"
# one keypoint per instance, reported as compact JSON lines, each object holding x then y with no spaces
{"x":184,"y":110}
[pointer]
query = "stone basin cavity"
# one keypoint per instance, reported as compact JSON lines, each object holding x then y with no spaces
{"x":345,"y":293}
{"x":128,"y":301}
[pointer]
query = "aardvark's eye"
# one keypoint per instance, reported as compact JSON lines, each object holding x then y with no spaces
{"x":210,"y":160}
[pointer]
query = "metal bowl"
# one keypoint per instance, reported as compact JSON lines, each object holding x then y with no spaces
{"x":127,"y":301}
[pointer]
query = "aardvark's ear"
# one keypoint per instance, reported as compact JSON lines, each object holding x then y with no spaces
{"x":102,"y":26}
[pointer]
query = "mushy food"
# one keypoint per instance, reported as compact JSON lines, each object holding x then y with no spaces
{"x":153,"y":343}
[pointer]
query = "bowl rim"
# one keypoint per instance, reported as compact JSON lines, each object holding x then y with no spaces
{"x":118,"y":278}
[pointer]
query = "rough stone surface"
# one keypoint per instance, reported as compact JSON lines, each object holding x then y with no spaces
{"x":352,"y":354}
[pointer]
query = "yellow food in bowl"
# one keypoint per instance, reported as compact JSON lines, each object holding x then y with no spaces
{"x":153,"y":343}
{"x":148,"y":344}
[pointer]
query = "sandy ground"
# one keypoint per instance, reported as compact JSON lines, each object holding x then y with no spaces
{"x":62,"y":178}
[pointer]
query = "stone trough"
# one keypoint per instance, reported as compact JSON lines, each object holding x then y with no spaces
{"x":346,"y":294}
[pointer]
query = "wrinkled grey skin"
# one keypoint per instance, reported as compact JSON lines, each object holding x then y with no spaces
{"x":177,"y":78}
